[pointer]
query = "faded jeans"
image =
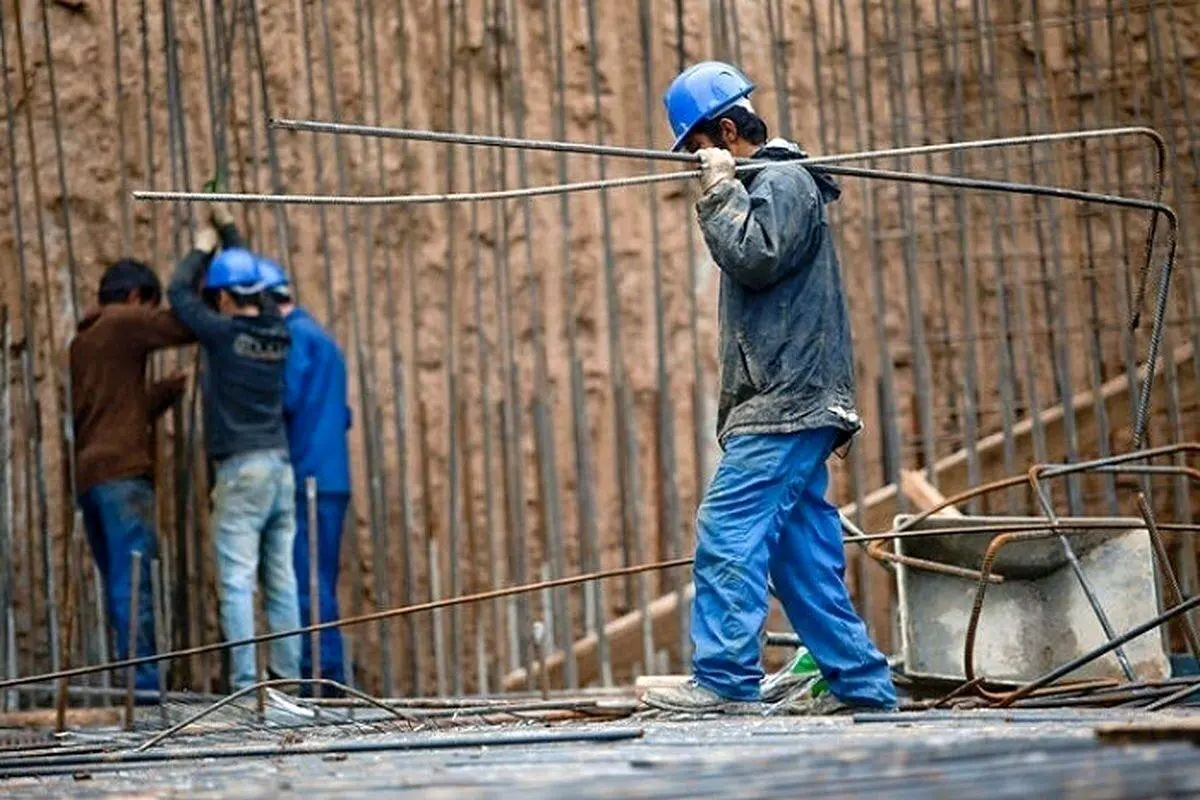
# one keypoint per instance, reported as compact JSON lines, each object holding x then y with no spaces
{"x":118,"y":516}
{"x":254,"y":524}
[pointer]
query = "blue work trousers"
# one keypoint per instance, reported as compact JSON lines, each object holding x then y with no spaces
{"x":254,"y":525}
{"x":765,"y":512}
{"x":331,"y":513}
{"x":118,"y":516}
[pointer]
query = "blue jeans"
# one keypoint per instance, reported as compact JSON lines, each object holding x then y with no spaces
{"x":254,"y":522}
{"x":118,"y":516}
{"x":331,"y":513}
{"x":765,"y":512}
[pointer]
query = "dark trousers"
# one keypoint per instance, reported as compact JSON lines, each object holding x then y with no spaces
{"x":118,"y":516}
{"x":331,"y":513}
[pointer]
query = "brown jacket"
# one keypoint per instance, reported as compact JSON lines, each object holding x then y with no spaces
{"x":113,"y":404}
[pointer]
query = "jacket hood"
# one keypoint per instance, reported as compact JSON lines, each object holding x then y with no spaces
{"x":782,"y":150}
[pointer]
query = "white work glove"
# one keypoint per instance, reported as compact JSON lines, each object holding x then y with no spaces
{"x":220,"y":214}
{"x":206,"y":239}
{"x":716,"y":167}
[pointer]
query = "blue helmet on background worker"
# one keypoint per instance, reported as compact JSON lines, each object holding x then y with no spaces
{"x":234,"y":270}
{"x":275,"y":280}
{"x":700,"y":93}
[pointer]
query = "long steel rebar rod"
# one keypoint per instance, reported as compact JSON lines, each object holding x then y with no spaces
{"x":45,"y":765}
{"x":587,"y":148}
{"x":1160,"y":147}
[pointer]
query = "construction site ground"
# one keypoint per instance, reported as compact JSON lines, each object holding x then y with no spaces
{"x":935,"y":753}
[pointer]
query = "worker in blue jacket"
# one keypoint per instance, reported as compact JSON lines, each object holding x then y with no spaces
{"x":317,"y":418}
{"x":786,"y":404}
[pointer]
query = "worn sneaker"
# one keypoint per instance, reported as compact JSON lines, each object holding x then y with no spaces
{"x":283,"y":709}
{"x":692,"y":698}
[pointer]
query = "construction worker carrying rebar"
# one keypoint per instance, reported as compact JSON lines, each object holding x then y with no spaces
{"x":786,"y":404}
{"x":114,"y":411}
{"x":318,"y":418}
{"x":245,"y":343}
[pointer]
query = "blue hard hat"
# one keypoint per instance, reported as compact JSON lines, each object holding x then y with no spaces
{"x":702,"y":92}
{"x":235,"y":270}
{"x":271,"y":274}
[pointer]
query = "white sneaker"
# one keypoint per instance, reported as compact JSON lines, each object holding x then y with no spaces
{"x":692,"y":698}
{"x":285,"y":710}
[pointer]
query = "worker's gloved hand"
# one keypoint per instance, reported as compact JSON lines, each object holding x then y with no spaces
{"x":206,"y":240}
{"x":220,"y":214}
{"x":716,"y":167}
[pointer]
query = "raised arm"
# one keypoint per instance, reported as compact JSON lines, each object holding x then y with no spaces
{"x":756,"y":236}
{"x":183,"y":292}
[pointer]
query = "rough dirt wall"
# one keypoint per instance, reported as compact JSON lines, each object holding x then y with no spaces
{"x":381,"y":280}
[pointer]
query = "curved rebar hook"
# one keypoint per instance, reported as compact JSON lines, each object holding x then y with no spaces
{"x":224,"y":701}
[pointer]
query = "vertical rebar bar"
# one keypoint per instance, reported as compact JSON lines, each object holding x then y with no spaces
{"x":1095,"y":345}
{"x":668,"y":500}
{"x":161,"y":645}
{"x":49,"y":583}
{"x":626,"y":447}
{"x":545,"y":451}
{"x":586,"y":524}
{"x":366,"y":394}
{"x":135,"y":572}
{"x":399,"y":384}
{"x":775,"y":23}
{"x":71,"y":267}
{"x":380,"y":539}
{"x":699,"y":399}
{"x":70,"y":602}
{"x":1054,"y":286}
{"x":118,"y":109}
{"x":310,"y":84}
{"x":1157,"y":55}
{"x":151,"y":174}
{"x":472,"y":582}
{"x":435,"y":586}
{"x":453,"y":493}
{"x":865,"y":136}
{"x":483,"y":359}
{"x":897,"y":83}
{"x":282,"y":229}
{"x":7,"y":554}
{"x":314,"y":584}
{"x":510,"y":405}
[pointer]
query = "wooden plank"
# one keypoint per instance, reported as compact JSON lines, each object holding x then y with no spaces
{"x":923,"y":494}
{"x":1153,"y":730}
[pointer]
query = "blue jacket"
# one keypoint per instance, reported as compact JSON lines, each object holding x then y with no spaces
{"x":314,"y":406}
{"x":787,"y":363}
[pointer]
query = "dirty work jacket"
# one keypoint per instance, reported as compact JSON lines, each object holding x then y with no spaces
{"x":786,"y":359}
{"x":314,"y":406}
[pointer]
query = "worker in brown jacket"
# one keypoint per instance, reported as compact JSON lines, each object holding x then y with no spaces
{"x":115,"y":407}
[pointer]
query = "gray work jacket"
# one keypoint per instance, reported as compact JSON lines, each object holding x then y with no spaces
{"x":787,"y":363}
